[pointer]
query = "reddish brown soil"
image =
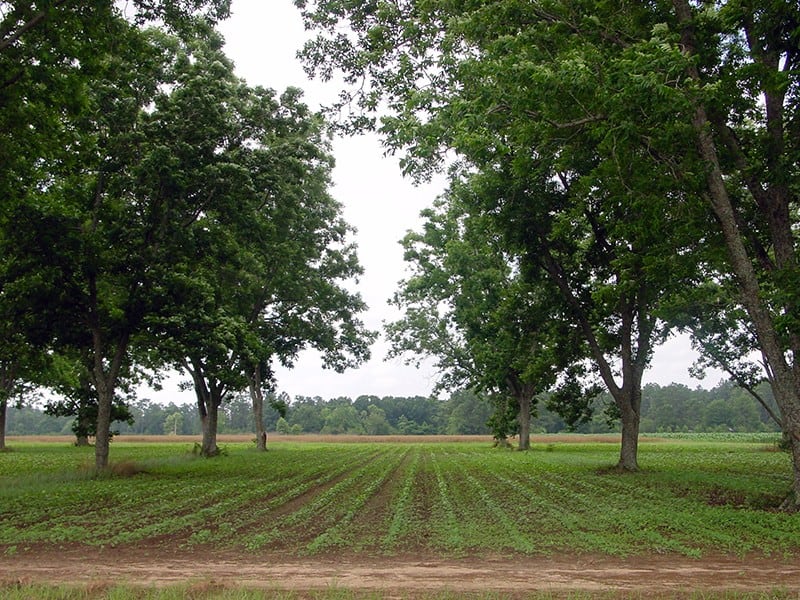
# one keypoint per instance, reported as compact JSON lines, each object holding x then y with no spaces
{"x":651,"y":576}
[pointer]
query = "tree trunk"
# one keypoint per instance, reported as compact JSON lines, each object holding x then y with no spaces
{"x":629,"y":397}
{"x":102,"y":440}
{"x":792,"y":503}
{"x":257,"y":396}
{"x":524,"y":421}
{"x":629,"y":449}
{"x":104,"y":373}
{"x":209,"y":398}
{"x":3,"y":412}
{"x":209,"y":424}
{"x":83,"y":427}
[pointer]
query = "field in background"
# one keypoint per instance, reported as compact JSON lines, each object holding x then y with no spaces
{"x":307,"y":497}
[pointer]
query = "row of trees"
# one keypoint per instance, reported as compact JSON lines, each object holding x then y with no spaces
{"x":158,"y":213}
{"x":618,"y":170}
{"x":672,"y":408}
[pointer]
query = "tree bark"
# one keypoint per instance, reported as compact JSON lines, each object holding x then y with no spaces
{"x":524,"y":418}
{"x":102,"y":440}
{"x":209,"y":399}
{"x":525,"y":423}
{"x":105,"y":381}
{"x":3,"y":412}
{"x":209,"y":422}
{"x":629,"y":447}
{"x":257,"y":396}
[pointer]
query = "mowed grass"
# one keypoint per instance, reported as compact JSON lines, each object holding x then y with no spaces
{"x":439,"y":499}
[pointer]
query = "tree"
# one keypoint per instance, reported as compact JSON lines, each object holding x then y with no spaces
{"x":76,"y":79}
{"x":467,"y":306}
{"x":266,"y":262}
{"x":307,"y":413}
{"x":467,"y":414}
{"x":565,"y":208}
{"x":173,"y":423}
{"x":343,"y":419}
{"x":374,"y":421}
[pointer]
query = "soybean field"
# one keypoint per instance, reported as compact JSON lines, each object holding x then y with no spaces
{"x":693,"y":497}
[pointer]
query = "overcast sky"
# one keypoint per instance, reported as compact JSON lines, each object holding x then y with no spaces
{"x":262,"y":38}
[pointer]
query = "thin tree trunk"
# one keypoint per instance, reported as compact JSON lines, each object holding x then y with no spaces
{"x":3,"y":412}
{"x":627,"y":396}
{"x":102,"y":440}
{"x":257,"y":396}
{"x":524,"y":421}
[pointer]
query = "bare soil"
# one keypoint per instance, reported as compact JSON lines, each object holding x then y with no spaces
{"x":407,"y":576}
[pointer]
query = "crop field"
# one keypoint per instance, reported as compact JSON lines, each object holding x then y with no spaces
{"x":313,"y":501}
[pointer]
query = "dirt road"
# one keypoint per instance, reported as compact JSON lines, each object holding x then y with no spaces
{"x":406,"y":576}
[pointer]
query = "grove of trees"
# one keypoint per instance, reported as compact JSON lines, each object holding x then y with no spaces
{"x":159,"y":212}
{"x":640,"y":157}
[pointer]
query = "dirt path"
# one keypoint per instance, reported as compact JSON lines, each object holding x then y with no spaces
{"x":406,"y":576}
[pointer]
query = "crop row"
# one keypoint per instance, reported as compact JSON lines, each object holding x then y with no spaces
{"x":423,"y":498}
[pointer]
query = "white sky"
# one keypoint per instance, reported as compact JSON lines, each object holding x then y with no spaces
{"x":262,"y":38}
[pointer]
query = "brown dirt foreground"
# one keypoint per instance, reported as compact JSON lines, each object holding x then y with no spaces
{"x":649,"y":576}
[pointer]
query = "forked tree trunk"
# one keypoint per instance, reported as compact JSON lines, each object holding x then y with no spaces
{"x":636,"y":346}
{"x":209,"y":399}
{"x":104,"y":374}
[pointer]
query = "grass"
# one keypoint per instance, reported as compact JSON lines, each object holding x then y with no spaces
{"x":211,"y":591}
{"x":690,"y":498}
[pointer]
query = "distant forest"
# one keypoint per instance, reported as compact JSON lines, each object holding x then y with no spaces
{"x":672,"y":408}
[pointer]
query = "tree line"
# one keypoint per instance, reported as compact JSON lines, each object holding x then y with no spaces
{"x":673,"y":408}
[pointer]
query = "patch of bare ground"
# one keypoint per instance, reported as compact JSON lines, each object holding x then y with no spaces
{"x":649,"y":576}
